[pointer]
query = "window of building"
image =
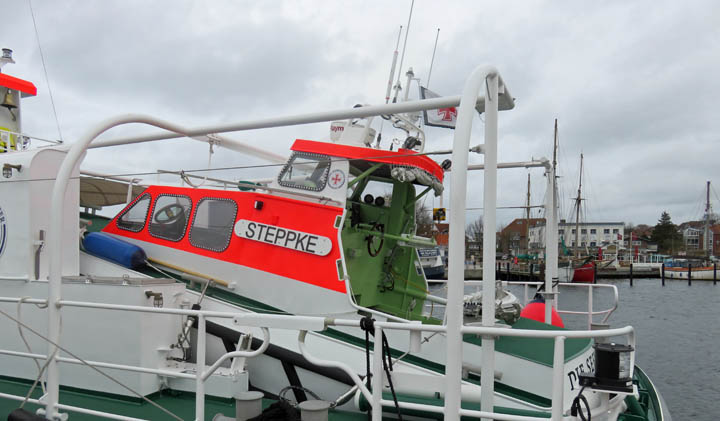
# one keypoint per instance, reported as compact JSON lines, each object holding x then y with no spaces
{"x":583,"y":231}
{"x":593,"y":231}
{"x":616,"y":231}
{"x":561,"y":232}
{"x":213,"y":224}
{"x":170,"y":217}
{"x":606,"y":231}
{"x":133,"y":219}
{"x":305,"y":171}
{"x":593,"y":244}
{"x":573,"y":231}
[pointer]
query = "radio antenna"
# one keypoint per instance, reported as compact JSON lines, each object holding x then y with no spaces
{"x":392,"y":68}
{"x":402,"y":58}
{"x":432,"y":60}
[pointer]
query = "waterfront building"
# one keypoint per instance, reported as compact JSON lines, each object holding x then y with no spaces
{"x":591,"y":234}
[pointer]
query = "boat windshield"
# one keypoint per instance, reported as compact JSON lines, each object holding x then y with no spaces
{"x":305,"y":171}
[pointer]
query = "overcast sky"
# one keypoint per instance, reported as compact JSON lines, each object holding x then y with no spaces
{"x":634,"y":85}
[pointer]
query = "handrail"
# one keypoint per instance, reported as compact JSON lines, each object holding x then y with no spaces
{"x":241,"y":354}
{"x":590,"y":312}
{"x":301,"y":323}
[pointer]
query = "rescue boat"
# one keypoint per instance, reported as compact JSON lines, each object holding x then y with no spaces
{"x":207,"y":295}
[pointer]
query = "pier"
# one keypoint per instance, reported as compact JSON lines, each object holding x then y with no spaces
{"x":508,"y":271}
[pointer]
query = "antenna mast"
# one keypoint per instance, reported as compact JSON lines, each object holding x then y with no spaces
{"x":402,"y":58}
{"x":392,"y":68}
{"x":432,"y":60}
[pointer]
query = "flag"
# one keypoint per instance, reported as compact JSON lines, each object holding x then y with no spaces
{"x":442,"y":117}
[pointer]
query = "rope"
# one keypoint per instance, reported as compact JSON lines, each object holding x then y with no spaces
{"x":42,"y":58}
{"x":368,"y":325}
{"x":82,"y":361}
{"x":41,"y":370}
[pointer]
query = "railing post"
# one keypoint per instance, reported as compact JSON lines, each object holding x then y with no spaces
{"x":715,"y":273}
{"x":558,"y":378}
{"x":631,"y":274}
{"x":377,"y":376}
{"x":689,"y":274}
{"x":590,"y":307}
{"x":200,"y":370}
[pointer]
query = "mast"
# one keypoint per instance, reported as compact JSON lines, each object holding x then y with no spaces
{"x":527,"y":219}
{"x":554,"y":181}
{"x":706,"y":234}
{"x":578,"y":201}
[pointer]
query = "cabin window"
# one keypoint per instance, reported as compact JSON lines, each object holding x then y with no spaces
{"x":133,"y":219}
{"x":213,"y":224}
{"x":305,"y":171}
{"x":170,"y":217}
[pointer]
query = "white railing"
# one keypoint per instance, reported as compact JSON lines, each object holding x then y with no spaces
{"x":303,"y":324}
{"x":590,"y":313}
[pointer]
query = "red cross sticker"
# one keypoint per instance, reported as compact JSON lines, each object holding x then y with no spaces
{"x":337,"y":179}
{"x":447,"y":114}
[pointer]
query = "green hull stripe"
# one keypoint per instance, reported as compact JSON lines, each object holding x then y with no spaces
{"x":179,"y":403}
{"x":537,"y":350}
{"x":439,"y":402}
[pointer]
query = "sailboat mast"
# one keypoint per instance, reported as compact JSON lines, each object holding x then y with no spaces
{"x":706,"y":234}
{"x":578,"y":201}
{"x":527,"y":219}
{"x":555,"y":147}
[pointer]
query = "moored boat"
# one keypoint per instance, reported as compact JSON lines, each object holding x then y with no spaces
{"x":193,"y":292}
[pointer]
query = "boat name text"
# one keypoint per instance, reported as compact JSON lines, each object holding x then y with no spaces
{"x":283,"y":237}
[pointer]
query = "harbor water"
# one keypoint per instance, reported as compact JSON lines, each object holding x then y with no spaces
{"x":677,"y":331}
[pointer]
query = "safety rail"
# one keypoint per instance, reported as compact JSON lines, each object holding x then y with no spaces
{"x":263,"y":322}
{"x":590,"y":298}
{"x":374,"y":396}
{"x":303,"y":324}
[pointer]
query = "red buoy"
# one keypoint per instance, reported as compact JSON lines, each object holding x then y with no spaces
{"x":535,"y":310}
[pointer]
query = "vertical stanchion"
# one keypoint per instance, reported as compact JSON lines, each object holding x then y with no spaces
{"x":558,"y":380}
{"x":689,"y":274}
{"x":715,"y":273}
{"x":377,"y":376}
{"x":662,"y":274}
{"x":200,"y":370}
{"x":631,"y":274}
{"x":590,"y":307}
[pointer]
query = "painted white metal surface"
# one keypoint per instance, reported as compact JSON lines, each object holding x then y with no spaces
{"x":25,"y":203}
